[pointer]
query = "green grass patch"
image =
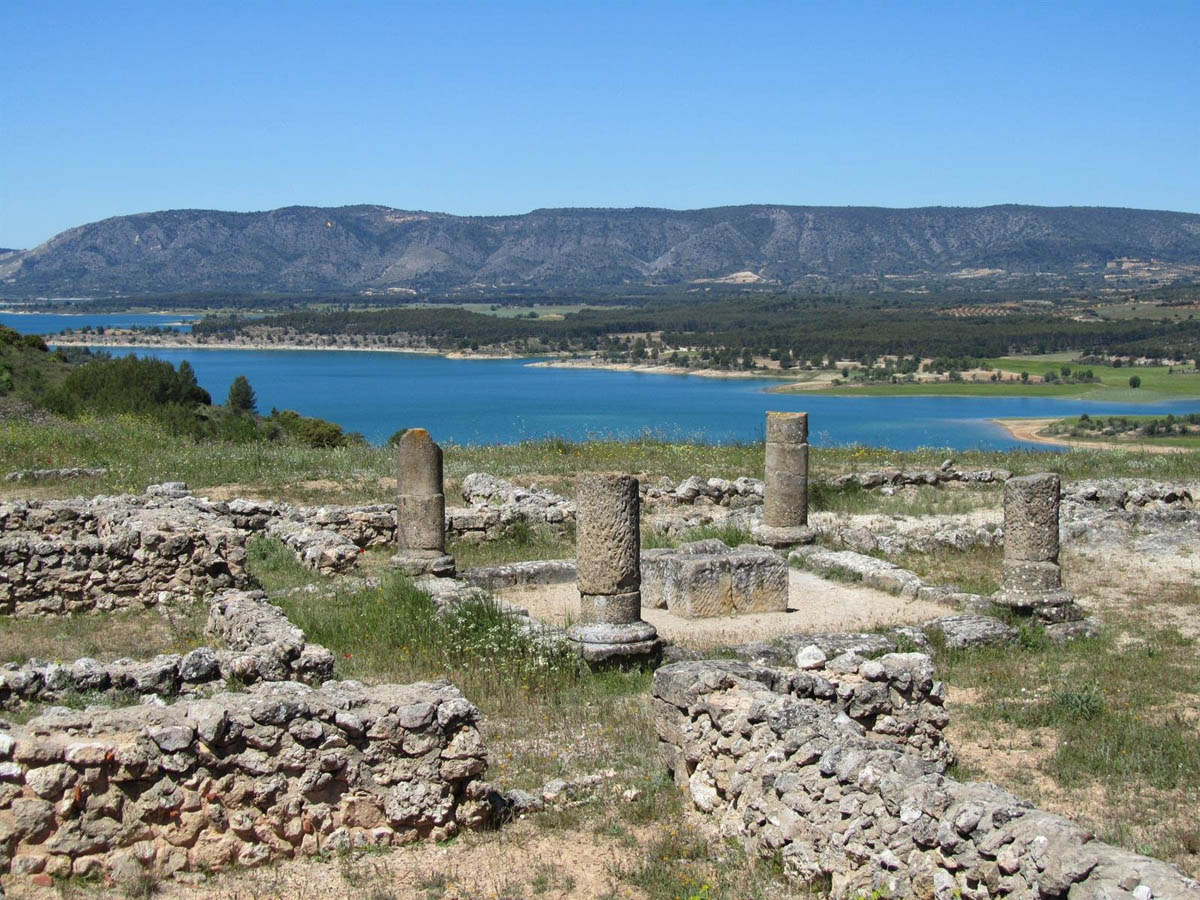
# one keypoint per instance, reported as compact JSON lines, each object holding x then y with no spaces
{"x":523,"y":542}
{"x":1112,"y":703}
{"x":730,"y":535}
{"x":682,"y":864}
{"x":1112,"y":384}
{"x":171,"y":628}
{"x":138,"y":452}
{"x":976,"y":571}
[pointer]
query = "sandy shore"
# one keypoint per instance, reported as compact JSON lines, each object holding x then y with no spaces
{"x":1030,"y":430}
{"x":648,"y":369}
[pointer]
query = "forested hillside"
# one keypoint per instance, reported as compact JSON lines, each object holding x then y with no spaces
{"x":841,"y":328}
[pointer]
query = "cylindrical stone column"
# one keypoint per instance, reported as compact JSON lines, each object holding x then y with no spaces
{"x":1032,"y":577}
{"x":420,"y":507}
{"x":608,"y":555}
{"x":785,"y":512}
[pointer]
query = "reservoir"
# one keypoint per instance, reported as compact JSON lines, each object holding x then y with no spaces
{"x":506,"y":401}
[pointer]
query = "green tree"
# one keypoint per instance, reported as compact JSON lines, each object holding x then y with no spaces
{"x":241,"y":396}
{"x":1135,"y":382}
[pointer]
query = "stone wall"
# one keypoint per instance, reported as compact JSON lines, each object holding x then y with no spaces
{"x":256,"y":643}
{"x":59,"y":558}
{"x":945,"y":473}
{"x":842,"y":777}
{"x":239,"y":778}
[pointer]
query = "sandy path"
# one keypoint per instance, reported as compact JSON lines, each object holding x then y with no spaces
{"x":1029,"y":430}
{"x":814,"y":604}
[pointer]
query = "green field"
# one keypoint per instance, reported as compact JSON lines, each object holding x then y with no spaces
{"x":1158,"y":383}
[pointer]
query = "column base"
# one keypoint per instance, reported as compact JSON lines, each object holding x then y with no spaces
{"x":423,"y":562}
{"x":632,"y":643}
{"x":1049,"y":606}
{"x":782,"y":537}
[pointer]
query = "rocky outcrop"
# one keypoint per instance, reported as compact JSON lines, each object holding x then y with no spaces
{"x":277,"y":771}
{"x":842,"y":780}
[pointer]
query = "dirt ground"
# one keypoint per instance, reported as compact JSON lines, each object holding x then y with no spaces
{"x":814,"y":604}
{"x":513,"y":862}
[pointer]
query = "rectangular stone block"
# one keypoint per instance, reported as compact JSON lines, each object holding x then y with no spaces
{"x":758,"y":581}
{"x":699,"y":586}
{"x":657,"y":563}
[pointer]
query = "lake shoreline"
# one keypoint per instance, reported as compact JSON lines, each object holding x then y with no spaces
{"x":1030,"y":430}
{"x":125,"y":342}
{"x":645,"y":369}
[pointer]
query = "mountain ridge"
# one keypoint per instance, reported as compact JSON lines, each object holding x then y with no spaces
{"x":369,"y":247}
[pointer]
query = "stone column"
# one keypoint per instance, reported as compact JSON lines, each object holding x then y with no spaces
{"x":608,"y":552}
{"x":785,"y":513}
{"x":1032,"y":578}
{"x":420,"y":507}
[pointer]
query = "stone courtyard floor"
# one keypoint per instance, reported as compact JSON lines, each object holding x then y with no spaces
{"x":814,"y":604}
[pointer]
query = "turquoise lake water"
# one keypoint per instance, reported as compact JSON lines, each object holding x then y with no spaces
{"x":504,"y":401}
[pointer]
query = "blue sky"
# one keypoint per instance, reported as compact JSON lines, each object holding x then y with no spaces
{"x":490,"y":108}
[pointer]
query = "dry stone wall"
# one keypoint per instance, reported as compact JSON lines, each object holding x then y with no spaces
{"x":238,"y":778}
{"x":842,"y":779}
{"x":60,"y":558}
{"x":947,"y":472}
{"x":256,"y":643}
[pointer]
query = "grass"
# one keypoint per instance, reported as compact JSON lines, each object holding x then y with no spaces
{"x":72,"y":699}
{"x":137,"y":452}
{"x":396,"y":633}
{"x":729,"y":535}
{"x":1107,"y":712}
{"x":1158,"y":383}
{"x":976,"y":571}
{"x":523,"y":542}
{"x":922,"y":500}
{"x":682,"y":864}
{"x":140,"y":634}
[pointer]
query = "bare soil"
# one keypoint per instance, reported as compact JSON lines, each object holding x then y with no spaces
{"x":814,"y":604}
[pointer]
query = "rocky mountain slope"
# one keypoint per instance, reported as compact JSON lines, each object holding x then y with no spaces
{"x":374,"y":247}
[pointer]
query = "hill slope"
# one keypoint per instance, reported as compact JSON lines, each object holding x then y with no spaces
{"x":375,"y":247}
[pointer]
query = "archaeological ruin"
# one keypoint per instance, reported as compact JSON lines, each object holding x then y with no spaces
{"x":825,"y":749}
{"x":608,"y":560}
{"x":785,"y":511}
{"x":420,"y":507}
